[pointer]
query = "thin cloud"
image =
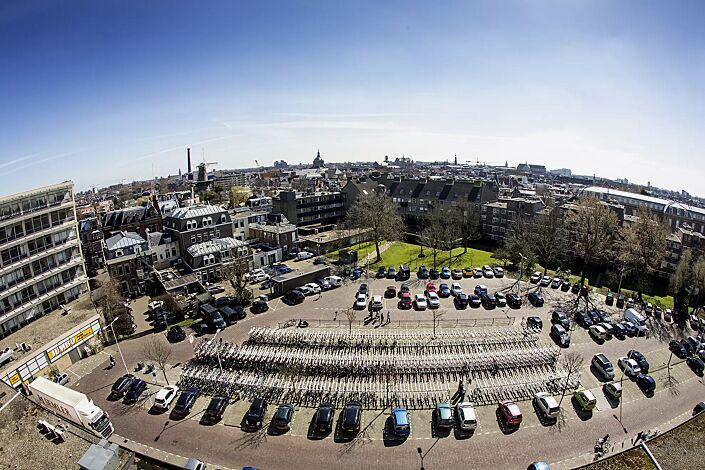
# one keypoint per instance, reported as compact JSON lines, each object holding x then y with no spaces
{"x":37,"y":162}
{"x":175,"y":148}
{"x":18,"y":160}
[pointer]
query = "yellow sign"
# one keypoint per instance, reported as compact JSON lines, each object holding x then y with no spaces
{"x":14,"y":378}
{"x":59,"y":349}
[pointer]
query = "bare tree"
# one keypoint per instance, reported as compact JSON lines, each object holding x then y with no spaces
{"x":468,"y":224}
{"x":572,"y":362}
{"x":437,"y":314}
{"x":158,"y":351}
{"x":350,"y":314}
{"x":642,"y":247}
{"x":688,"y":285}
{"x":593,"y":225}
{"x":548,"y":239}
{"x":377,"y":211}
{"x":434,"y":233}
{"x":451,"y":228}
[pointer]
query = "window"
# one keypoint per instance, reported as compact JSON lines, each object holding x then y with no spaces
{"x":193,"y":238}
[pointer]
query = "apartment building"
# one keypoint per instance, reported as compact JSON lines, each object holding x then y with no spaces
{"x":142,"y":220}
{"x":41,"y":263}
{"x":128,"y":259}
{"x":227,"y":179}
{"x":92,"y":245}
{"x":498,"y":218}
{"x":308,"y":209}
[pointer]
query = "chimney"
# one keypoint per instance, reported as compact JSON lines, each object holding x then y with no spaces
{"x":188,"y":159}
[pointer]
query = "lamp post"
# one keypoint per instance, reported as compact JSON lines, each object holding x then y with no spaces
{"x":117,"y":343}
{"x":421,"y":456}
{"x":217,"y":351}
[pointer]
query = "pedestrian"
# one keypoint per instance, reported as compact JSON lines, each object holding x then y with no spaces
{"x":112,"y":361}
{"x":389,"y":317}
{"x":335,"y":316}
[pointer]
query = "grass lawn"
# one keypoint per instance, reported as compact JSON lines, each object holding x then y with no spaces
{"x":362,"y":250}
{"x":408,"y":253}
{"x":185,"y":323}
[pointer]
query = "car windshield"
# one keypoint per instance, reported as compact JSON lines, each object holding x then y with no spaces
{"x":183,"y":400}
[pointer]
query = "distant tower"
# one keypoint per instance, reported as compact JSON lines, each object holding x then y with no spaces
{"x":386,"y":158}
{"x":456,"y":159}
{"x":318,"y":161}
{"x":189,"y":175}
{"x":506,"y":163}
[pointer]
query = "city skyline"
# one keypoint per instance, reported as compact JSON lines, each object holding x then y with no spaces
{"x":104,"y":93}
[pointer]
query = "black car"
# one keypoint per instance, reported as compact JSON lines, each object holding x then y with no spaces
{"x":534,"y":322}
{"x":646,"y":383}
{"x":294,"y":297}
{"x":461,"y":300}
{"x":620,"y":301}
{"x":162,"y":319}
{"x":536,"y":299}
{"x":513,"y":300}
{"x":404,"y":273}
{"x":212,"y":317}
{"x":423,"y":273}
{"x":609,"y":300}
{"x":560,"y":318}
{"x":594,"y":316}
{"x":381,"y":272}
{"x":488,"y":301}
{"x":677,"y":348}
{"x":226,"y":301}
{"x":255,"y":415}
{"x":583,"y":319}
{"x":121,"y":386}
{"x":576,"y":288}
{"x":351,"y":417}
{"x":619,"y":330}
{"x":323,"y":419}
{"x":434,"y":274}
{"x":565,"y":286}
{"x":696,"y":364}
{"x":175,"y":334}
{"x":699,"y":408}
{"x":363,"y":289}
{"x":688,"y":347}
{"x":444,"y":291}
{"x":216,"y":408}
{"x":640,"y":359}
{"x":259,"y":306}
{"x":282,"y":417}
{"x":185,"y":402}
{"x":604,"y":316}
{"x":474,"y":301}
{"x":392,"y":272}
{"x":136,"y":388}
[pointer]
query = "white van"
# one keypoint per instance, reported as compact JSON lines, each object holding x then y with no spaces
{"x":334,"y":281}
{"x":637,"y":320}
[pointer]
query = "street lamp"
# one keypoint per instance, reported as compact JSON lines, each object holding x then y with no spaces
{"x":117,"y":343}
{"x":217,"y":350}
{"x":421,"y":456}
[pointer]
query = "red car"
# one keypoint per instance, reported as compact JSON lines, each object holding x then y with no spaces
{"x":430,"y":287}
{"x":390,"y":292}
{"x":510,"y":412}
{"x":406,"y":301}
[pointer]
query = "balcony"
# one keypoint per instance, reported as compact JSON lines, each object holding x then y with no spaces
{"x":65,"y":224}
{"x":39,"y":255}
{"x":75,"y":261}
{"x":24,"y":214}
{"x":81,"y":279}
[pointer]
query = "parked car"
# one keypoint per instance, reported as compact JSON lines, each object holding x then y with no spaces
{"x":376,"y":304}
{"x":302,"y":255}
{"x":657,"y":312}
{"x":404,"y":273}
{"x":560,"y":318}
{"x":465,"y":416}
{"x":640,"y":360}
{"x":619,"y":330}
{"x":603,"y":365}
{"x":137,"y":387}
{"x":216,"y":408}
{"x":536,"y":277}
{"x":456,"y":273}
{"x":283,"y":416}
{"x":445,"y":272}
{"x":487,"y":272}
{"x":536,"y":299}
{"x":668,"y":315}
{"x":351,"y":417}
{"x":630,"y":302}
{"x":255,"y":414}
{"x":62,"y":379}
{"x":430,"y":287}
{"x":513,"y":300}
{"x":423,"y":272}
{"x":392,"y":272}
{"x":381,"y":272}
{"x":488,"y":301}
{"x":444,"y":290}
{"x":630,"y":328}
{"x":433,"y":300}
{"x":597,"y":332}
{"x":121,"y":386}
{"x":165,"y":396}
{"x":405,"y":301}
{"x":480,"y":289}
{"x":401,"y":425}
{"x":560,"y":335}
{"x":565,"y":285}
{"x":259,"y":306}
{"x":540,"y":465}
{"x":613,"y":390}
{"x":677,"y":348}
{"x":534,"y":322}
{"x":461,"y":301}
{"x":620,"y":301}
{"x":545,"y":281}
{"x":510,"y":413}
{"x":294,"y":297}
{"x":444,"y":415}
{"x":501,"y":299}
{"x":390,"y":292}
{"x":646,"y":383}
{"x":648,"y":308}
{"x":420,"y":302}
{"x":696,"y":364}
{"x":547,"y":405}
{"x":363,"y":289}
{"x":455,"y":288}
{"x":699,"y":408}
{"x":360,"y":302}
{"x":498,"y":272}
{"x":434,"y":274}
{"x":555,"y":283}
{"x":468,"y":272}
{"x":629,"y":366}
{"x":474,"y":301}
{"x":404,"y":289}
{"x":583,"y":319}
{"x":323,"y":419}
{"x":478,"y":273}
{"x":185,"y":402}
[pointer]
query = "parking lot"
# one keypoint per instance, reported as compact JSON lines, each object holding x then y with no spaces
{"x":564,"y":443}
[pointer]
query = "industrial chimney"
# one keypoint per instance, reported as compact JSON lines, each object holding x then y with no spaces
{"x":188,"y":159}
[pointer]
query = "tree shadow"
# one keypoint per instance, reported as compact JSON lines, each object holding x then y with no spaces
{"x":388,"y":437}
{"x":582,"y":414}
{"x":503,"y":426}
{"x":250,"y":440}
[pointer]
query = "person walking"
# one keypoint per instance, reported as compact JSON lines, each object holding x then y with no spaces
{"x":389,"y":317}
{"x":112,"y":361}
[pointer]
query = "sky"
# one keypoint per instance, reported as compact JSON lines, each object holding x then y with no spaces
{"x":114,"y":91}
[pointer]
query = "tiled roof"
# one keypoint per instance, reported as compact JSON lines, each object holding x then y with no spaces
{"x":214,"y":246}
{"x":123,"y":240}
{"x":196,"y":211}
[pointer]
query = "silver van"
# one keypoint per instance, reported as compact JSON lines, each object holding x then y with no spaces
{"x":637,"y":320}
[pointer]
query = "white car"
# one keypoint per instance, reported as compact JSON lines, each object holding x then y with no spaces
{"x":466,"y":416}
{"x":556,"y":283}
{"x":455,"y":288}
{"x":305,"y":290}
{"x":376,"y":303}
{"x":315,"y":288}
{"x":629,"y":366}
{"x":259,"y":277}
{"x":498,"y":272}
{"x":433,"y":300}
{"x":420,"y":301}
{"x":545,"y":281}
{"x":536,"y":277}
{"x":361,"y":302}
{"x":547,"y":405}
{"x":302,"y":255}
{"x":630,"y":303}
{"x":487,"y":272}
{"x":598,"y":332}
{"x":165,"y":396}
{"x":501,"y":299}
{"x":155,"y":305}
{"x":613,"y":389}
{"x":649,"y":308}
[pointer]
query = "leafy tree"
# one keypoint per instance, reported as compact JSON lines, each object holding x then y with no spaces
{"x":468,"y":224}
{"x":236,"y":274}
{"x":593,"y":226}
{"x":642,"y":247}
{"x":688,"y":285}
{"x":238,"y":195}
{"x":377,"y":212}
{"x":112,"y":304}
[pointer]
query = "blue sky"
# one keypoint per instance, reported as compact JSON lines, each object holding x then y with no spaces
{"x":100,"y":92}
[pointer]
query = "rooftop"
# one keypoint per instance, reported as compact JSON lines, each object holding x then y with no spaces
{"x":32,"y":192}
{"x":124,"y":240}
{"x":214,"y":246}
{"x":199,"y":210}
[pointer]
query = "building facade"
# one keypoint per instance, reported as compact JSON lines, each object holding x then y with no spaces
{"x":141,"y":220}
{"x":92,"y":245}
{"x":128,"y":260}
{"x":41,"y":263}
{"x":308,"y":209}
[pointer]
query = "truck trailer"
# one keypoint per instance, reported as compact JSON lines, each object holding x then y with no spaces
{"x":72,"y":405}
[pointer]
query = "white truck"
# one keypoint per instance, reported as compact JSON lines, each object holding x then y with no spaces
{"x":72,"y":405}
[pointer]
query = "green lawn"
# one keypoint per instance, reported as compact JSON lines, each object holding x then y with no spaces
{"x":362,"y":250}
{"x":408,"y":253}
